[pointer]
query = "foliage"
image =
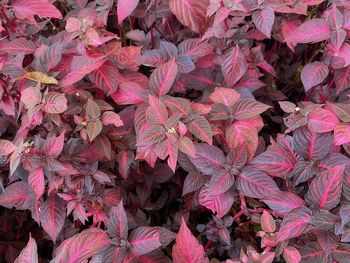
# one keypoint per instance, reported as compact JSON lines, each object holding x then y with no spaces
{"x":174,"y":131}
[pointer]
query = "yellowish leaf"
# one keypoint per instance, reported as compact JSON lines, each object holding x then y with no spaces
{"x":41,"y":77}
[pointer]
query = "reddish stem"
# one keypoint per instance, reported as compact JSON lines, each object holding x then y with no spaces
{"x":238,"y":215}
{"x":207,"y":245}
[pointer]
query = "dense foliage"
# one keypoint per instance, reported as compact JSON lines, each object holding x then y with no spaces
{"x":182,"y":131}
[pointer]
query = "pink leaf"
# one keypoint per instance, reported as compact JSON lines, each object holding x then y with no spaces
{"x":55,"y":103}
{"x":185,"y":240}
{"x":80,"y":247}
{"x":312,"y":31}
{"x":53,"y":145}
{"x":110,"y":117}
{"x":125,"y":8}
{"x":193,"y":182}
{"x":163,"y":77}
{"x":106,"y":78}
{"x":342,"y":134}
{"x":291,"y":255}
{"x":267,"y":222}
{"x":191,"y":13}
{"x":36,"y":180}
{"x":264,"y":20}
{"x":6,"y":147}
{"x":144,"y":240}
{"x":17,"y":195}
{"x":234,"y":65}
{"x":52,"y":216}
{"x":313,"y":74}
{"x":321,"y":120}
{"x":42,"y":8}
{"x":195,"y":48}
{"x":29,"y":253}
{"x":228,"y":97}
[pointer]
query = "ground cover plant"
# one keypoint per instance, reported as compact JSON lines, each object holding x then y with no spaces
{"x":182,"y":131}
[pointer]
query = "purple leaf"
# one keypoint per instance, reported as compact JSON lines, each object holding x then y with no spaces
{"x":325,"y":189}
{"x":117,"y":223}
{"x":283,"y":202}
{"x":257,"y":184}
{"x":208,"y":159}
{"x":294,"y":223}
{"x":144,"y":240}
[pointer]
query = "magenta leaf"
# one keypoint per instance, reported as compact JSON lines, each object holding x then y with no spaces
{"x":312,"y":31}
{"x":80,"y":247}
{"x":257,"y":184}
{"x":190,"y":13}
{"x":20,"y":45}
{"x":263,"y":20}
{"x":185,"y":240}
{"x":234,"y":65}
{"x":106,"y":78}
{"x":130,"y":93}
{"x":162,"y":78}
{"x":125,"y":8}
{"x":52,"y":216}
{"x":29,"y":253}
{"x":144,"y":240}
{"x":17,"y":195}
{"x":294,"y":223}
{"x":313,"y":74}
{"x":47,"y":57}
